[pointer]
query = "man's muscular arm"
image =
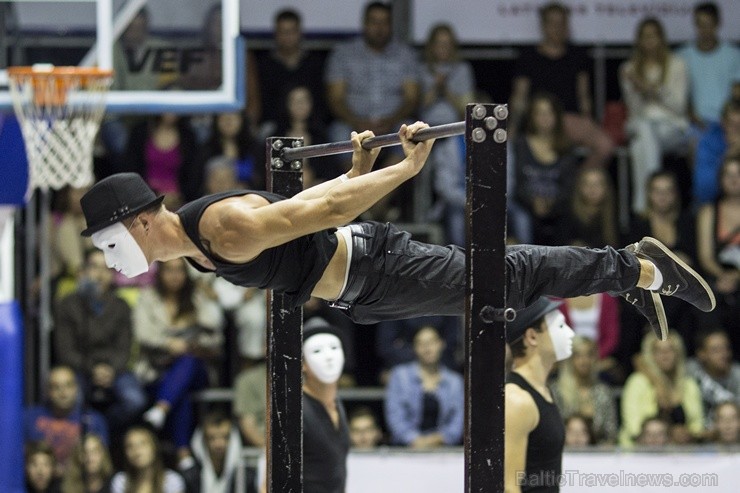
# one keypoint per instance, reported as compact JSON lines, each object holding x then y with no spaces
{"x":238,"y":231}
{"x":521,"y":417}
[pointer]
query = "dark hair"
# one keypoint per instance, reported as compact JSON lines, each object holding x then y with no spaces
{"x":288,"y":15}
{"x":562,"y":144}
{"x":185,"y":303}
{"x":38,"y":447}
{"x":729,"y":158}
{"x":553,"y":7}
{"x":134,"y":476}
{"x":377,"y":6}
{"x":709,"y":8}
{"x":436,"y":30}
{"x":651,"y":419}
{"x":730,"y":106}
{"x":363,"y":412}
{"x":89,"y":252}
{"x":701,"y":337}
{"x":518,"y":349}
{"x":215,"y":417}
{"x":588,"y":422}
{"x":244,"y":138}
{"x":670,"y":175}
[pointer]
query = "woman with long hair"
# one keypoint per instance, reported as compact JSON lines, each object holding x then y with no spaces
{"x":230,"y":136}
{"x":577,"y":391}
{"x":177,"y":327}
{"x":655,"y":87}
{"x":544,"y":165}
{"x":145,"y":471}
{"x":661,"y":387}
{"x":90,"y":469}
{"x":591,"y":218}
{"x":39,"y":468}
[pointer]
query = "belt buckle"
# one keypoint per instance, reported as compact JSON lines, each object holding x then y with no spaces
{"x":339,"y":304}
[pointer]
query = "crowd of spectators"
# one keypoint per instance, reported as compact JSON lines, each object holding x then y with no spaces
{"x":129,"y":356}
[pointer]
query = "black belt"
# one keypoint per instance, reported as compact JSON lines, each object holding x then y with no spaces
{"x":355,"y":280}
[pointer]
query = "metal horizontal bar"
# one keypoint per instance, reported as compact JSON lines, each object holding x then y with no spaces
{"x":446,"y":130}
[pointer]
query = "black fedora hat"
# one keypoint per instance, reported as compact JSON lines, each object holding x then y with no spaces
{"x":115,"y":198}
{"x":318,"y":325}
{"x":528,"y":316}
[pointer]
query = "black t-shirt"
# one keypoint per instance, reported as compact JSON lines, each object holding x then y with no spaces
{"x":325,"y":448}
{"x":276,"y":80}
{"x":554,"y":75}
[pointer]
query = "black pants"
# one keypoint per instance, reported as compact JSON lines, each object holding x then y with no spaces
{"x":393,"y":277}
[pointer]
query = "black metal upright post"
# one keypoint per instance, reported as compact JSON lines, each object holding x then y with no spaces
{"x":284,"y":354}
{"x":485,"y":343}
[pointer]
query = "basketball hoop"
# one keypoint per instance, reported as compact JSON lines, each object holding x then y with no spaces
{"x":60,"y":110}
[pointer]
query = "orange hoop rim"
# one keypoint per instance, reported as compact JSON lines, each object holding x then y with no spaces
{"x":38,"y":73}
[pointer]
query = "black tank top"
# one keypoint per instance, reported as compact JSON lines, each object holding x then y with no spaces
{"x":292,"y":268}
{"x":545,"y":444}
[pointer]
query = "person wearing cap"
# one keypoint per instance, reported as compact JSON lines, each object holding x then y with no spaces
{"x":325,"y":429}
{"x":302,"y":246}
{"x":535,"y":434}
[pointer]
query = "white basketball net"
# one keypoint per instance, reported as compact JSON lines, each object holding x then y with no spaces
{"x":59,"y":116}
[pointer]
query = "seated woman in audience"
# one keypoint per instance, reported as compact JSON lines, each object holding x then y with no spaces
{"x":544,"y":166}
{"x":578,"y":432}
{"x":163,"y":150}
{"x":591,"y":218}
{"x":577,"y":391}
{"x":661,"y":387}
{"x":655,"y":87}
{"x":90,"y":470}
{"x":726,"y":430}
{"x":39,"y":467}
{"x":298,"y":119}
{"x":231,"y":138}
{"x":177,"y":327}
{"x":144,"y":471}
{"x":424,"y":400}
{"x":718,"y":243}
{"x":654,"y":432}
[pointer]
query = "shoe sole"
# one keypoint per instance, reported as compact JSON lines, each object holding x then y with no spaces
{"x":662,"y":333}
{"x":688,"y":269}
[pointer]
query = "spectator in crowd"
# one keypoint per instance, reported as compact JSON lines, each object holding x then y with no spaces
{"x":69,"y":246}
{"x":221,"y":175}
{"x":561,"y":68}
{"x":163,"y":150}
{"x":372,"y":82}
{"x":661,"y":387}
{"x":727,"y":423}
{"x":217,"y":449}
{"x":591,"y":218}
{"x":93,"y":336}
{"x":135,"y":68}
{"x":325,"y":429}
{"x":707,"y":54}
{"x":39,"y":468}
{"x":364,"y":431}
{"x":718,"y":235}
{"x":298,"y":118}
{"x":718,"y":141}
{"x":715,"y":372}
{"x":577,"y":391}
{"x":424,"y":399}
{"x":231,"y":138}
{"x":578,"y":431}
{"x":62,"y":419}
{"x":655,"y":87}
{"x":288,"y":65}
{"x":447,"y":81}
{"x":448,"y":165}
{"x":177,"y":328}
{"x":654,"y":432}
{"x":394,"y":340}
{"x":544,"y":166}
{"x":316,"y":307}
{"x":145,"y":472}
{"x":250,"y":402}
{"x":90,"y":469}
{"x":595,"y":317}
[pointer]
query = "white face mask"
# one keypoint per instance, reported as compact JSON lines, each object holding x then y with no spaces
{"x":561,"y":335}
{"x":121,"y":251}
{"x":324,"y":355}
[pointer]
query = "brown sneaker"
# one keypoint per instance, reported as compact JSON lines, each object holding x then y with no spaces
{"x":651,"y":306}
{"x":679,"y":279}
